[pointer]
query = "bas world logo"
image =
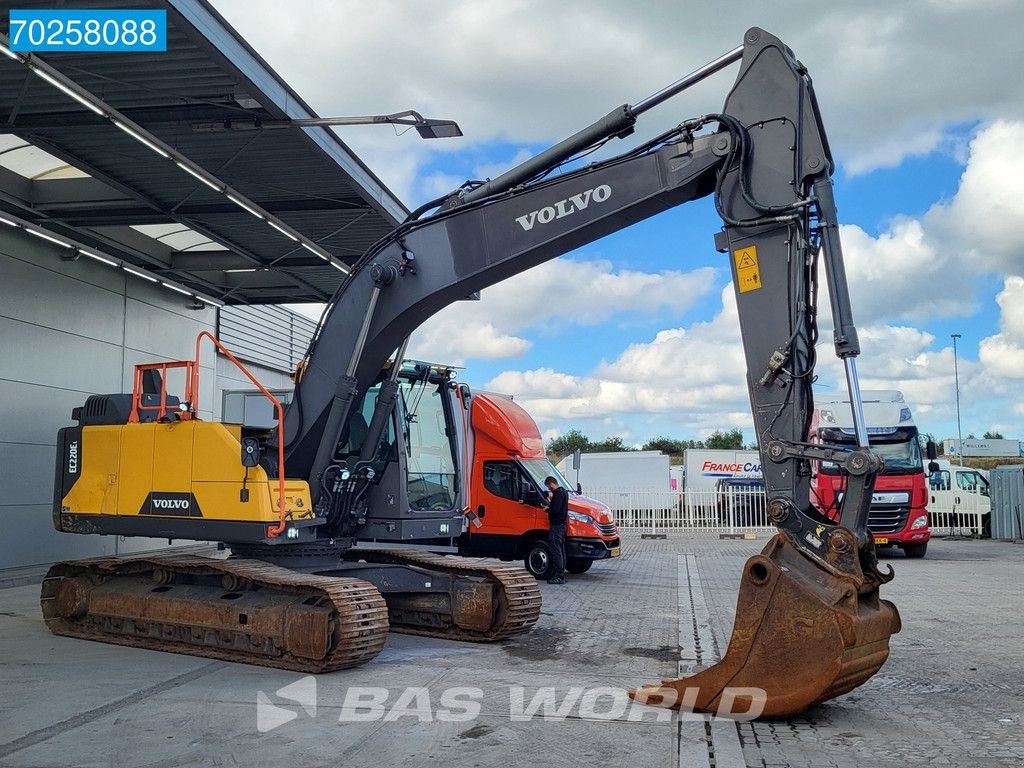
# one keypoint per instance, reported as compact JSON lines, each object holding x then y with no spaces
{"x":270,"y":716}
{"x":463,"y":704}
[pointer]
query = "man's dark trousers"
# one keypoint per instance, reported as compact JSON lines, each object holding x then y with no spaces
{"x":557,"y":541}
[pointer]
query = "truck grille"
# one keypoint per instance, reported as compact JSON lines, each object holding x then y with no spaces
{"x":882,"y":520}
{"x":608,"y":529}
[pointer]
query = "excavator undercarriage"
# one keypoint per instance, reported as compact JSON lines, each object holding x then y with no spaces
{"x":261,"y":613}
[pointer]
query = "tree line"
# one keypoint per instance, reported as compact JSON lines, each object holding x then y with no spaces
{"x":574,"y":440}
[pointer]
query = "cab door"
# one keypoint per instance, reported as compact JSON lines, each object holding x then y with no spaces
{"x":498,"y":501}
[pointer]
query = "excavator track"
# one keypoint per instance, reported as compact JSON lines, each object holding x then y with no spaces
{"x":496,"y":600}
{"x":234,"y":610}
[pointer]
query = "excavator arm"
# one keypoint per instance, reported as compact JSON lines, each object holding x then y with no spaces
{"x":809,"y":624}
{"x":768,"y":165}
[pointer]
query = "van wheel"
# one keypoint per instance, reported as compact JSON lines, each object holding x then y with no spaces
{"x":578,"y":565}
{"x":538,"y":559}
{"x":915,"y":550}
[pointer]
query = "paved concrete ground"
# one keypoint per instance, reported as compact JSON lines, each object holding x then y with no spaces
{"x":951,"y":693}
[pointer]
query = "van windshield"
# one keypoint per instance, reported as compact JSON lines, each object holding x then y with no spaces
{"x":538,"y":469}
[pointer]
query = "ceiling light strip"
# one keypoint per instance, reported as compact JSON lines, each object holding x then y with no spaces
{"x":10,"y":54}
{"x":282,"y":230}
{"x":43,"y":234}
{"x":141,"y":139}
{"x":237,"y":201}
{"x":67,"y":90}
{"x":195,"y":172}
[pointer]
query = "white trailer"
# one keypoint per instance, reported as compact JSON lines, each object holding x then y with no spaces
{"x":635,"y":485}
{"x":706,"y":466}
{"x":627,"y":470}
{"x":975,"y":447}
{"x":710,"y":496}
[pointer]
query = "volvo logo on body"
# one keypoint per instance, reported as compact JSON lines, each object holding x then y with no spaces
{"x":563,"y":208}
{"x":171,"y":504}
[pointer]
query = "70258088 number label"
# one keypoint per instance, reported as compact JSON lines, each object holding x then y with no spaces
{"x":88,"y":30}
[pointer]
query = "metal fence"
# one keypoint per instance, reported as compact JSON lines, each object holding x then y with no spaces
{"x":961,"y":516}
{"x":730,"y":511}
{"x":739,"y":510}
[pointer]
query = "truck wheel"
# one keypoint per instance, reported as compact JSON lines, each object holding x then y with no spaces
{"x":578,"y":565}
{"x":538,"y":559}
{"x":915,"y":550}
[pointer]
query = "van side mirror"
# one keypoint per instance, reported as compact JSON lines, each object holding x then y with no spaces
{"x":930,"y":450}
{"x":579,"y":489}
{"x":250,"y":452}
{"x":933,"y":467}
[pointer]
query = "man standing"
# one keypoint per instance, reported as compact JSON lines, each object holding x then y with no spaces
{"x":558,"y":511}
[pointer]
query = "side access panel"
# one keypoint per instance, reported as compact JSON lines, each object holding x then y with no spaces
{"x":86,"y":473}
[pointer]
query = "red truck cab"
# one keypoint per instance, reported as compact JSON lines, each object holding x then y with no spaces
{"x":508,"y":466}
{"x":898,"y":516}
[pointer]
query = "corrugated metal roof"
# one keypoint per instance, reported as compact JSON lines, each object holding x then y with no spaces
{"x":306,"y":177}
{"x":274,"y":337}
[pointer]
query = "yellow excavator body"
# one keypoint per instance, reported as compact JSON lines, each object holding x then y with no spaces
{"x":182,"y":472}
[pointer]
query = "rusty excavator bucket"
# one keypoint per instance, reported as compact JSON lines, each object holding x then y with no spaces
{"x":805,"y":632}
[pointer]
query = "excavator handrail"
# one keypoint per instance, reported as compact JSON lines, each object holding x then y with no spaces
{"x":192,"y":395}
{"x":161,"y":408}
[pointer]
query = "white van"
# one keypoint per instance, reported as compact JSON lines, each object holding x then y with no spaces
{"x":959,"y":498}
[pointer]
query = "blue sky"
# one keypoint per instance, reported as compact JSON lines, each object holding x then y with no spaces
{"x":635,"y":335}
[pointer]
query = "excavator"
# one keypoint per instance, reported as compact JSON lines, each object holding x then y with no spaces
{"x":336,"y":519}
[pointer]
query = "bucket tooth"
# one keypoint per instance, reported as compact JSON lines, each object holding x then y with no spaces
{"x":804,"y":633}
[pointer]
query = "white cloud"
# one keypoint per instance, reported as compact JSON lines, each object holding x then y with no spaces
{"x":551,"y":296}
{"x":889,"y":152}
{"x":986,"y":218}
{"x":891,"y":86}
{"x":923,"y":268}
{"x":1003,"y":353}
{"x":891,"y":77}
{"x":687,"y":379}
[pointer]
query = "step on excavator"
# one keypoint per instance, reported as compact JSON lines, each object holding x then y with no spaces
{"x":337,"y":520}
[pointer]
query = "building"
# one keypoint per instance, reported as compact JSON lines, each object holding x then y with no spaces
{"x":142,"y":202}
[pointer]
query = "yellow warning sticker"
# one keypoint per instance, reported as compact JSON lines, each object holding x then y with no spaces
{"x":748,"y":273}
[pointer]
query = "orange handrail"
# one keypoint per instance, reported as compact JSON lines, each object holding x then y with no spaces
{"x":161,"y":408}
{"x":192,"y":395}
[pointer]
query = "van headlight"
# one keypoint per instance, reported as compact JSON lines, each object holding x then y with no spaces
{"x":919,"y":523}
{"x":579,"y":517}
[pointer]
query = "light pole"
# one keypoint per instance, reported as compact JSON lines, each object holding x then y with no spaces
{"x":956,"y":379}
{"x":427,"y":127}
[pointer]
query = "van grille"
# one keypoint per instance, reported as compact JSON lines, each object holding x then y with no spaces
{"x":608,"y":529}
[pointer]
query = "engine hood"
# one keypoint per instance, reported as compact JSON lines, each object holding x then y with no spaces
{"x":588,"y":506}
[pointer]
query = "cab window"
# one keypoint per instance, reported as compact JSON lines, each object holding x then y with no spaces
{"x":939,"y":481}
{"x":502,"y":478}
{"x":972,"y":482}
